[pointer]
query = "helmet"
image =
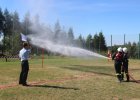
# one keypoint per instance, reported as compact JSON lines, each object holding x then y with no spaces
{"x":125,"y":50}
{"x":119,"y":49}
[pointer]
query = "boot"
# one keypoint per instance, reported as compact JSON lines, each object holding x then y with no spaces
{"x":122,"y":76}
{"x":119,"y":78}
{"x":127,"y":76}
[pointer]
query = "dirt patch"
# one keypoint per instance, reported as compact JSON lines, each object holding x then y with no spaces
{"x":42,"y":82}
{"x":75,"y":77}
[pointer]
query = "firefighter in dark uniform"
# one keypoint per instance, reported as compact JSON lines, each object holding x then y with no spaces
{"x":125,"y":64}
{"x":118,"y":58}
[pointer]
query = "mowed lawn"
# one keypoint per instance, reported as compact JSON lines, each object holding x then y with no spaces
{"x":63,"y":78}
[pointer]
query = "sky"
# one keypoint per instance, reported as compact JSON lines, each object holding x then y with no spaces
{"x":112,"y":17}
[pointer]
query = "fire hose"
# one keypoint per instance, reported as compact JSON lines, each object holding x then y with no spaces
{"x":137,"y":81}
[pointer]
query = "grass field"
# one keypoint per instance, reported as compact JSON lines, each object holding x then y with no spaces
{"x":63,"y":78}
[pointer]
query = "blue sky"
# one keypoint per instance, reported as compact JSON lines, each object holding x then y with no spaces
{"x":112,"y":17}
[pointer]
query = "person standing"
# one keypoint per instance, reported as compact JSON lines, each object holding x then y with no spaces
{"x":109,"y":55}
{"x":118,"y":57}
{"x":125,"y":64}
{"x":24,"y":56}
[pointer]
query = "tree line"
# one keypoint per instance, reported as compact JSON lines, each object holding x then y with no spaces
{"x":133,"y":49}
{"x":11,"y":25}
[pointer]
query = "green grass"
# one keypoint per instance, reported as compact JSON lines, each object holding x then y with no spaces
{"x":69,"y":79}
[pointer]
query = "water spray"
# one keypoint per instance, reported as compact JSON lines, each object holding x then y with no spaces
{"x":62,"y":49}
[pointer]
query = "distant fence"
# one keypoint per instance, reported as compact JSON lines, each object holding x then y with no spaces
{"x":131,"y":41}
{"x":8,"y":58}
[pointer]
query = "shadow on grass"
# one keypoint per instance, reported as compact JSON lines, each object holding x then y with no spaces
{"x":101,"y":70}
{"x":55,"y":87}
{"x":135,"y":69}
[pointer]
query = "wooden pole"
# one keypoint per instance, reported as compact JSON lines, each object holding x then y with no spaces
{"x":139,"y":48}
{"x":42,"y":57}
{"x":124,"y":39}
{"x":111,"y":42}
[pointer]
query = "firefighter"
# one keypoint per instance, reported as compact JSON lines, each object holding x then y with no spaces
{"x":118,"y":57}
{"x":109,"y":55}
{"x":125,"y":64}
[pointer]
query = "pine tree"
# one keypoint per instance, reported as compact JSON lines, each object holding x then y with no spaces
{"x":81,"y":41}
{"x":57,"y":30}
{"x":2,"y":27}
{"x":26,"y":24}
{"x":70,"y":36}
{"x":2,"y":20}
{"x":96,"y":42}
{"x":8,"y":30}
{"x":102,"y":43}
{"x":89,"y":42}
{"x":16,"y":33}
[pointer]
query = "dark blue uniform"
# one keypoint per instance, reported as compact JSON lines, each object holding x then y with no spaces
{"x":125,"y":66}
{"x":118,"y":58}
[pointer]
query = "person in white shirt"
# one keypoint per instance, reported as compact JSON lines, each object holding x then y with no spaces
{"x":24,"y":56}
